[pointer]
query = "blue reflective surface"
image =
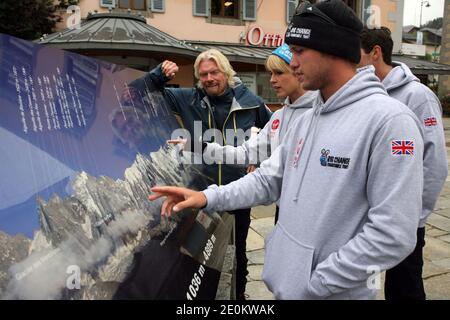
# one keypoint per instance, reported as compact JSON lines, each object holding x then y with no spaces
{"x":80,"y":148}
{"x":60,"y":114}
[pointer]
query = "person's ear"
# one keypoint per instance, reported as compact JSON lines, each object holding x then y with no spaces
{"x":377,"y":53}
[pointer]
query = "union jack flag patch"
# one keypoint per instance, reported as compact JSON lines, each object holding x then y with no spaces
{"x":431,"y":121}
{"x":402,"y":147}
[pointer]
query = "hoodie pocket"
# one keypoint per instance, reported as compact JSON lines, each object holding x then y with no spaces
{"x":288,"y":265}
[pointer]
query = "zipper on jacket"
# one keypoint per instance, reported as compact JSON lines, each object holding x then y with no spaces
{"x":211,"y":121}
{"x":223,"y":134}
{"x":234,"y":120}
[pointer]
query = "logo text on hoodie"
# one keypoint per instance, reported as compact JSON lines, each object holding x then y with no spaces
{"x":333,"y":161}
{"x":402,"y":147}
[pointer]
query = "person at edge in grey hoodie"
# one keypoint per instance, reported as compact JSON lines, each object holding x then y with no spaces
{"x":348,"y":173}
{"x":259,"y":147}
{"x":404,"y":281}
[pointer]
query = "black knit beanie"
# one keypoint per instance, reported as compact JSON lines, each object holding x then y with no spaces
{"x":330,"y":27}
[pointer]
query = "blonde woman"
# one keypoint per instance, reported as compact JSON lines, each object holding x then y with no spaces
{"x":258,"y":148}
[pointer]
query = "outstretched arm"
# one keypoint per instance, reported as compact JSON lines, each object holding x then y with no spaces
{"x":262,"y":186}
{"x":178,"y":199}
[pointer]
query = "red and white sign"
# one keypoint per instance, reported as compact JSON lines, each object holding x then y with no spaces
{"x":256,"y":37}
{"x":275,"y":124}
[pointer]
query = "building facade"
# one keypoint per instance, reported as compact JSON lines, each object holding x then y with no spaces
{"x":424,"y":42}
{"x":244,"y":30}
{"x":444,"y":81}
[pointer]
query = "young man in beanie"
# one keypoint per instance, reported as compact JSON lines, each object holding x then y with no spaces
{"x":405,"y":280}
{"x":347,"y":174}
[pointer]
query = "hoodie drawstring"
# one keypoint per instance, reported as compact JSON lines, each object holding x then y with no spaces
{"x":315,"y":120}
{"x":288,"y":121}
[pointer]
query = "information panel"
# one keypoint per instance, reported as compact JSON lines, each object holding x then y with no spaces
{"x":79,"y":152}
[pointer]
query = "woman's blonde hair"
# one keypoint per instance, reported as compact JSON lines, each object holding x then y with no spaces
{"x":276,"y":64}
{"x":222,"y":63}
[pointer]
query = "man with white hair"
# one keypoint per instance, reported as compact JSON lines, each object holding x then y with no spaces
{"x":219,"y":101}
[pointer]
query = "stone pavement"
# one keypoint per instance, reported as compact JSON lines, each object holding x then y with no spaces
{"x":436,"y":254}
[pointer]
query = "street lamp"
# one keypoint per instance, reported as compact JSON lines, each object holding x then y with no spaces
{"x":427,"y":5}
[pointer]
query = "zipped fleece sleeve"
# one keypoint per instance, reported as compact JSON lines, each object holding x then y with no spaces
{"x":261,"y":187}
{"x":394,"y":193}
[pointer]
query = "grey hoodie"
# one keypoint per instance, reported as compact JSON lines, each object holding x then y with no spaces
{"x":259,"y":147}
{"x":350,"y":202}
{"x":402,"y":85}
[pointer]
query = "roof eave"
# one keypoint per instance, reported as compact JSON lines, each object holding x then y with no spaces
{"x":101,"y":46}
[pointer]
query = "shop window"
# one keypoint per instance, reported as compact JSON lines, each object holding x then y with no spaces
{"x":133,"y":4}
{"x":225,"y":8}
{"x":232,"y":12}
{"x":200,"y":8}
{"x":108,"y":3}
{"x":357,"y":5}
{"x":157,"y":5}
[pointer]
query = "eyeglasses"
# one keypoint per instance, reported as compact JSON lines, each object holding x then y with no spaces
{"x":305,"y":7}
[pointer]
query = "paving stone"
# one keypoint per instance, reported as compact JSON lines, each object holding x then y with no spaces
{"x":436,"y":249}
{"x":433,"y":232}
{"x":229,"y":260}
{"x":443,"y":212}
{"x":263,"y":211}
{"x":446,"y":189}
{"x":254,"y":241}
{"x":255,"y":272}
{"x":224,"y":287}
{"x":444,"y":264}
{"x":257,"y":290}
{"x":263,"y":226}
{"x":439,"y":222}
{"x":442,"y":203}
{"x":438,"y":288}
{"x":255,"y":257}
{"x":380,"y":293}
{"x":445,"y":238}
{"x":430,"y":269}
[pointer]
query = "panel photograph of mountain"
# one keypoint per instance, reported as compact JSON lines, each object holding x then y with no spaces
{"x":77,"y":161}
